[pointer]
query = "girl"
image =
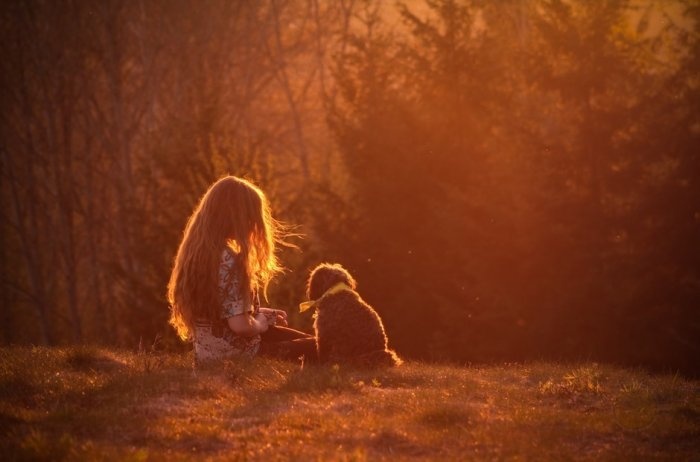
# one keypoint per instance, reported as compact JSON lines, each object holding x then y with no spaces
{"x":226,"y":257}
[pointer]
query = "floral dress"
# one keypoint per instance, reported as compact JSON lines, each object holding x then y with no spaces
{"x":215,"y":340}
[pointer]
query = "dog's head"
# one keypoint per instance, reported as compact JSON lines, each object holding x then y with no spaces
{"x":325,"y":276}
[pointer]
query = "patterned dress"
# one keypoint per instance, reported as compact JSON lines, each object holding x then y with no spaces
{"x":215,"y":340}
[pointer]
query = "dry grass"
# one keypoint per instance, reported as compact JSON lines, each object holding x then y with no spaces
{"x":78,"y":404}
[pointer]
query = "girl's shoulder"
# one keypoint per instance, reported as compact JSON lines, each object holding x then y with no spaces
{"x":228,"y":257}
{"x":227,"y":265}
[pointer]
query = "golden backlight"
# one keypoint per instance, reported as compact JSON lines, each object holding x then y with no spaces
{"x":506,"y":180}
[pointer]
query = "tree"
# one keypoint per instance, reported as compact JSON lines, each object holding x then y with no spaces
{"x":499,"y":161}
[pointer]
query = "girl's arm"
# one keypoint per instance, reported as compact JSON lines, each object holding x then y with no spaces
{"x":246,"y":325}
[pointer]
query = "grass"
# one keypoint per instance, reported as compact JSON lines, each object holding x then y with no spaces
{"x":99,"y":404}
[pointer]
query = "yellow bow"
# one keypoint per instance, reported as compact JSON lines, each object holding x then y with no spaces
{"x":335,"y":289}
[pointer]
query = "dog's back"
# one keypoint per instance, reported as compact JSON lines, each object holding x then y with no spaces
{"x":349,"y":330}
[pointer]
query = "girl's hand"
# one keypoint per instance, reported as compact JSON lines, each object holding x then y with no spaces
{"x":279,"y":316}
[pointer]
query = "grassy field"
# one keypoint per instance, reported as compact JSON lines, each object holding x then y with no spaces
{"x":87,"y":404}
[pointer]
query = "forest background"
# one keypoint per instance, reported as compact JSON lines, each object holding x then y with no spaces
{"x":507,"y":180}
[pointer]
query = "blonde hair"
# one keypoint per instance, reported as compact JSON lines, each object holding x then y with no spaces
{"x":233,"y":213}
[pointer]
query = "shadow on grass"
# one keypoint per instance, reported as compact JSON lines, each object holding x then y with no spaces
{"x":386,"y":443}
{"x":446,"y":417}
{"x":88,"y":359}
{"x":82,"y":395}
{"x":320,"y":378}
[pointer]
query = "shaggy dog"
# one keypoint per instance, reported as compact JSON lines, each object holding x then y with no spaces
{"x":347,"y":329}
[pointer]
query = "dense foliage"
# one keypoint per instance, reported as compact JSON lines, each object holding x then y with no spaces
{"x":528,"y":180}
{"x":506,"y":180}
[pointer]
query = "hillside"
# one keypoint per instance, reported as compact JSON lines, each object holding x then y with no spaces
{"x":77,"y":404}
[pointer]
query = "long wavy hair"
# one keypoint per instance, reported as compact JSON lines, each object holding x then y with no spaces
{"x":233,"y":213}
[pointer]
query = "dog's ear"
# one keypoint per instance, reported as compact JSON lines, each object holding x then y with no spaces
{"x":325,"y":276}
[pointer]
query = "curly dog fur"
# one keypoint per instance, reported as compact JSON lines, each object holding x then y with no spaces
{"x":347,"y":329}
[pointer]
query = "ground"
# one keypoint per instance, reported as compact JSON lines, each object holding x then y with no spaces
{"x":90,"y":403}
